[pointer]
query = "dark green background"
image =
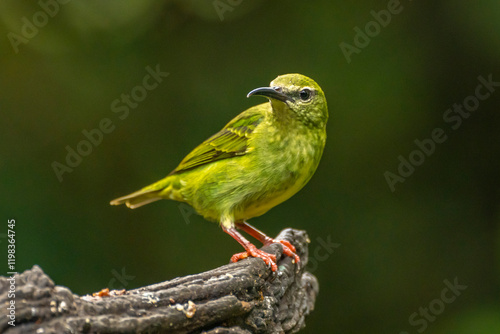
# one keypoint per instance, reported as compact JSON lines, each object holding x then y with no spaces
{"x":396,"y":248}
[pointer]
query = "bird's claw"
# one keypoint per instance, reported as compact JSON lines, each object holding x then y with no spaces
{"x":269,"y":259}
{"x":288,"y":249}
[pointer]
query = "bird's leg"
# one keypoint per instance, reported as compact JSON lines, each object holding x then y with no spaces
{"x":251,"y":250}
{"x":288,"y":248}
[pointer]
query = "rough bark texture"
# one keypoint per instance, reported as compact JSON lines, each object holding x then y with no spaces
{"x":244,"y":297}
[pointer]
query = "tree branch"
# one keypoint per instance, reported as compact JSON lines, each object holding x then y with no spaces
{"x":243,"y":297}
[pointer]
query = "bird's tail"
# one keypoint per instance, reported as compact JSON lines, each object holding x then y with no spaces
{"x":166,"y":188}
{"x":137,"y":199}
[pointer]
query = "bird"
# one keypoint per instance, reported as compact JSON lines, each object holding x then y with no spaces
{"x":261,"y":158}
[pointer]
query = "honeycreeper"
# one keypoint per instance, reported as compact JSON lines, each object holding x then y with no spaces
{"x":258,"y":160}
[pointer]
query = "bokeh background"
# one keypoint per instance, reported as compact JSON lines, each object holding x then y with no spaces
{"x":394,"y":249}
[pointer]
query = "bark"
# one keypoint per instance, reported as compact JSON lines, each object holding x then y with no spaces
{"x":244,"y":297}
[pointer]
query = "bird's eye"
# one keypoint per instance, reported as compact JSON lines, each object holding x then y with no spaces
{"x":305,"y":94}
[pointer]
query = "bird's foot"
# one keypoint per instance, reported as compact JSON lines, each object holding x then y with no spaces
{"x":269,"y":259}
{"x":288,"y":248}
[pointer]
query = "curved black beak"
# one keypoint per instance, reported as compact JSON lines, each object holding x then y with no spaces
{"x":271,"y":93}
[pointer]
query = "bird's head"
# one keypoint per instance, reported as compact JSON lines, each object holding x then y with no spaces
{"x":297,"y":95}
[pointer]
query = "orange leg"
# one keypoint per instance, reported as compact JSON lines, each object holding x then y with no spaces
{"x":251,"y":250}
{"x":288,"y":248}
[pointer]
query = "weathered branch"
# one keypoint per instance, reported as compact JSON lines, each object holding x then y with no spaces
{"x":244,"y":297}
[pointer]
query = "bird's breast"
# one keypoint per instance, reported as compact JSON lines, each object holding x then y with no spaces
{"x":286,"y":162}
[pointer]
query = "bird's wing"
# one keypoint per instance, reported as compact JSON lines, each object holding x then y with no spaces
{"x":231,"y":141}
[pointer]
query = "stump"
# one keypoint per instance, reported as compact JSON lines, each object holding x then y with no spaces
{"x":244,"y":297}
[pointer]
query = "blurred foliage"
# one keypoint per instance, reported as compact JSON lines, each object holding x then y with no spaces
{"x":396,"y":248}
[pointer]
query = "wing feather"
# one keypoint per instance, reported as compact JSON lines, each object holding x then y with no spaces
{"x":231,"y":141}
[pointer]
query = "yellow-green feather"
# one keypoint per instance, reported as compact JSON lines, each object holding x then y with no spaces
{"x":258,"y":160}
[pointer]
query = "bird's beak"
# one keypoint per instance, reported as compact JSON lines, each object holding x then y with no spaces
{"x":271,"y":93}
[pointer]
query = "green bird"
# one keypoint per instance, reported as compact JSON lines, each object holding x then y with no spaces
{"x":258,"y":160}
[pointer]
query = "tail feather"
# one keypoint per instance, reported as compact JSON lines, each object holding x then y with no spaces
{"x":166,"y":188}
{"x":138,"y":198}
